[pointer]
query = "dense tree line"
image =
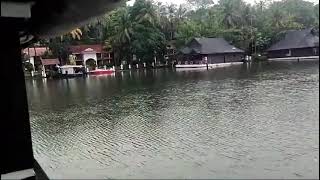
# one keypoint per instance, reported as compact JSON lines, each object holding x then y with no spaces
{"x":145,"y":28}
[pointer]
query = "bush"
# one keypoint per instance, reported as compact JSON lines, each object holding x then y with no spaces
{"x":259,"y":57}
{"x":48,"y":55}
{"x":91,"y":64}
{"x":28,"y":66}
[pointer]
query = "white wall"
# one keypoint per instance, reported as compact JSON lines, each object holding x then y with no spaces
{"x":70,"y":71}
{"x":87,"y":56}
{"x":32,"y":61}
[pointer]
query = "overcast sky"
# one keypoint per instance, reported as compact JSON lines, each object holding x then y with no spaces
{"x":183,"y":1}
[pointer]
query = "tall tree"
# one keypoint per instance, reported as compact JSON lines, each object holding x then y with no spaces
{"x":143,"y":11}
{"x":231,"y":11}
{"x":316,"y":13}
{"x":203,"y":4}
{"x":145,"y":27}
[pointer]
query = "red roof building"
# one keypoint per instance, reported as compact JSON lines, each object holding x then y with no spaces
{"x":95,"y":52}
{"x":37,"y":51}
{"x":48,"y":62}
{"x":79,"y":49}
{"x":35,"y":54}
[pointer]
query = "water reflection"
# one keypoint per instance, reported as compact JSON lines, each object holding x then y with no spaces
{"x":250,"y":121}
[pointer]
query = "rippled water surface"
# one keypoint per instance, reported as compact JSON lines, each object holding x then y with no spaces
{"x":240,"y":122}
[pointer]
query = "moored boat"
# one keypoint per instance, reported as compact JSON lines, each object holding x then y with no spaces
{"x":71,"y":71}
{"x":102,"y":72}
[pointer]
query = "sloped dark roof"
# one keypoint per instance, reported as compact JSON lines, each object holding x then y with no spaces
{"x":188,"y":50}
{"x":39,"y":51}
{"x":211,"y":46}
{"x":297,"y":39}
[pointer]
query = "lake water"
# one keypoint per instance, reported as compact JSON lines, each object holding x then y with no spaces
{"x":258,"y":121}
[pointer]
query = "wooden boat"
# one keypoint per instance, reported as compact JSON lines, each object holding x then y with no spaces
{"x":71,"y":71}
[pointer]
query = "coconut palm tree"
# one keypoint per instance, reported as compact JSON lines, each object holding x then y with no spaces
{"x":75,"y":34}
{"x":144,"y":12}
{"x":231,"y":12}
{"x":120,"y":35}
{"x":277,"y":18}
{"x":122,"y":26}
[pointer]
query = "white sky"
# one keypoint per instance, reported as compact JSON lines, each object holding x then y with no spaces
{"x":183,"y":1}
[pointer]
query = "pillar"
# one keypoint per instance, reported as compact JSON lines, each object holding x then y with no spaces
{"x":206,"y":61}
{"x":16,"y":143}
{"x":43,"y":72}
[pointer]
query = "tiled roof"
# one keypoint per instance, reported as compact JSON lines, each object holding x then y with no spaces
{"x":46,"y":62}
{"x":81,"y":48}
{"x":39,"y":51}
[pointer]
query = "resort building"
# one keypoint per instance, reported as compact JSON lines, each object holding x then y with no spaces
{"x":49,"y":64}
{"x":296,"y":45}
{"x":87,"y":55}
{"x":34,"y":55}
{"x":209,"y":51}
{"x":171,"y":51}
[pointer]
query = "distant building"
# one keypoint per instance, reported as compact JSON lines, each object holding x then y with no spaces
{"x":49,"y":65}
{"x":171,"y":51}
{"x":34,"y":55}
{"x":301,"y":43}
{"x":209,"y":51}
{"x":87,"y":54}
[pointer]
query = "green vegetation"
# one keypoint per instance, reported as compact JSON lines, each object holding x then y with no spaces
{"x":28,"y":67}
{"x":91,"y":64}
{"x":146,"y":28}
